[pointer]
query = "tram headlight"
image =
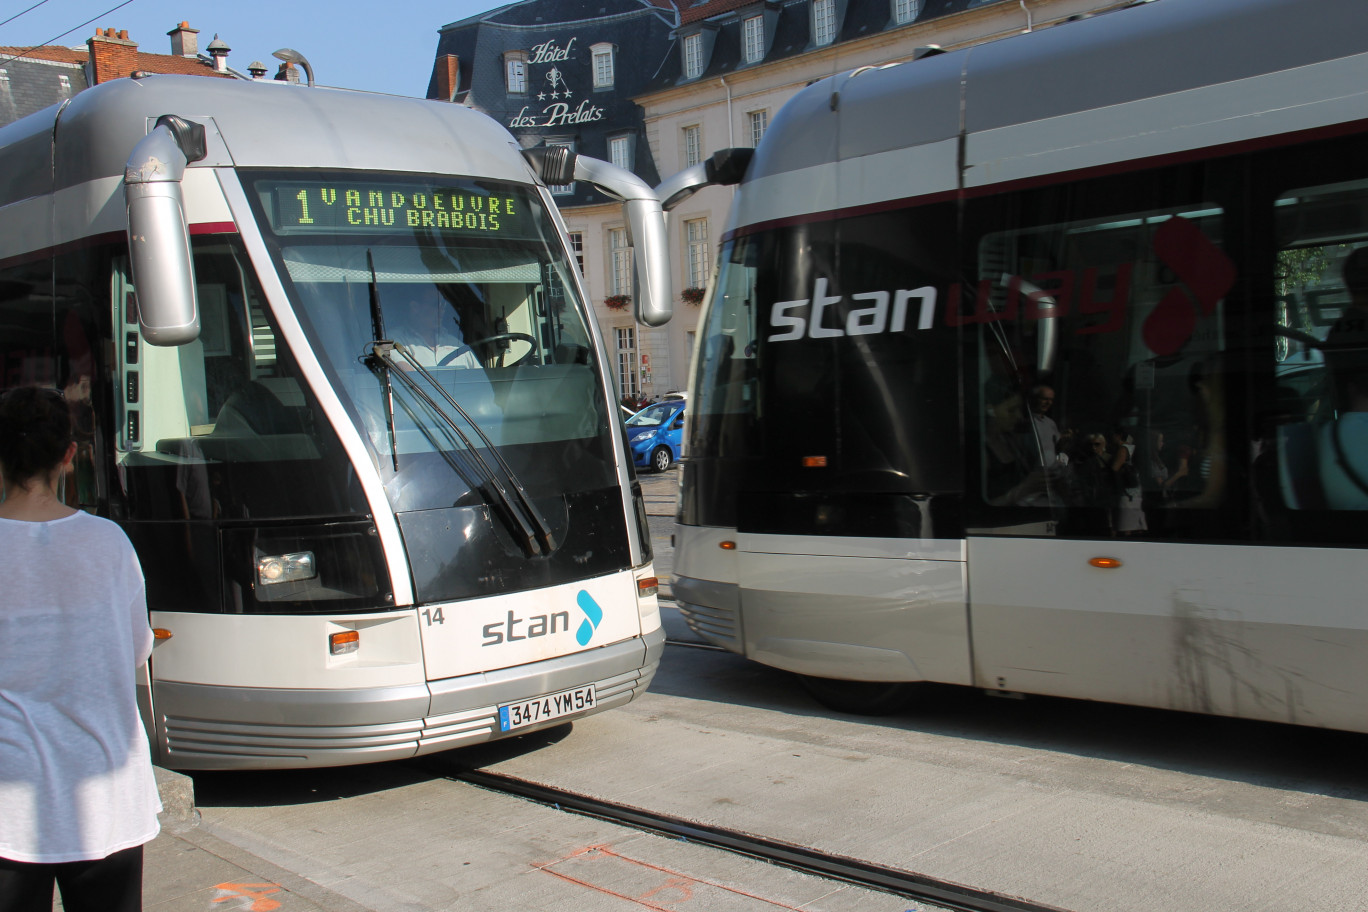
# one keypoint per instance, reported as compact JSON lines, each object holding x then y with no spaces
{"x":286,"y":568}
{"x":307,"y":568}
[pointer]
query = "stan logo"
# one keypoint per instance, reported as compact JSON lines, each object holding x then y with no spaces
{"x":593,"y":616}
{"x":513,"y":628}
{"x":1203,"y":276}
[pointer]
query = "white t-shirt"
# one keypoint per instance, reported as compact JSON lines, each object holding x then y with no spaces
{"x":76,"y":780}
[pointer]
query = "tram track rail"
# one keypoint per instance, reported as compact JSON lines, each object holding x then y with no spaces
{"x":866,"y":874}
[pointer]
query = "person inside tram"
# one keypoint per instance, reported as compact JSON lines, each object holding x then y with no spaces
{"x":432,"y":329}
{"x":1129,"y":517}
{"x":1343,"y":442}
{"x":1043,"y":428}
{"x":1325,"y":465}
{"x":1013,"y":475}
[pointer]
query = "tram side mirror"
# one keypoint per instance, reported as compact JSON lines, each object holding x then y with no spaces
{"x":650,"y":261}
{"x":158,"y":233}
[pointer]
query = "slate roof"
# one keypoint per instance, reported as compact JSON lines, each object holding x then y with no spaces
{"x":792,"y":30}
{"x":561,"y":103}
{"x":27,"y":86}
{"x":534,"y":13}
{"x":34,"y":75}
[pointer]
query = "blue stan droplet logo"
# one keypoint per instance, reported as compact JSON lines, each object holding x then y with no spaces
{"x":593,"y":615}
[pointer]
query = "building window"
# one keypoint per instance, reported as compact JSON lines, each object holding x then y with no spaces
{"x":515,"y":73}
{"x":693,"y":56}
{"x":603,"y":65}
{"x":4,"y":76}
{"x":753,"y":38}
{"x":823,"y":21}
{"x":620,"y":151}
{"x":693,"y":146}
{"x":622,"y":261}
{"x":562,"y":189}
{"x":696,"y":236}
{"x":577,"y":248}
{"x":627,"y":360}
{"x":759,"y":120}
{"x":64,"y":81}
{"x":905,"y":10}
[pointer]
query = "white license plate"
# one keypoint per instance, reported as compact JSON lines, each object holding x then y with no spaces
{"x":551,"y":706}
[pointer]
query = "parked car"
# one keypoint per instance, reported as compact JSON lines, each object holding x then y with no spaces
{"x":656,"y":434}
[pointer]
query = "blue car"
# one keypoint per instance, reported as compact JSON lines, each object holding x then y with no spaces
{"x":656,"y":434}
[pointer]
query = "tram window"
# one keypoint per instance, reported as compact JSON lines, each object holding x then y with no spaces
{"x":224,"y":426}
{"x":727,"y":381}
{"x":48,"y":338}
{"x":1319,"y":416}
{"x":1101,"y":388}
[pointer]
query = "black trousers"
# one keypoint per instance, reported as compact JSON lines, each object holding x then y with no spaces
{"x":112,"y":884}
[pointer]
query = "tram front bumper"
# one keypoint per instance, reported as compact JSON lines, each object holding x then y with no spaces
{"x":211,"y":727}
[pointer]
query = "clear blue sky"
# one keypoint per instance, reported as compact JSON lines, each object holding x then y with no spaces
{"x":377,"y":46}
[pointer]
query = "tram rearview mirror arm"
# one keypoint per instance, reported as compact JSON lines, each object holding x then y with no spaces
{"x":642,"y":212}
{"x":158,"y":234}
{"x":722,"y":168}
{"x":645,"y":233}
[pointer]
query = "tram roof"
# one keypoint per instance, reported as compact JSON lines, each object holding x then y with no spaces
{"x":254,"y":125}
{"x":1151,"y":50}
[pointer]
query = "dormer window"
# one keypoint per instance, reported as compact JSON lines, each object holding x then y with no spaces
{"x":620,"y":151}
{"x":905,"y":11}
{"x":693,"y":56}
{"x":64,"y":81}
{"x":753,"y":38}
{"x":823,"y":22}
{"x":603,"y":65}
{"x":515,"y":72}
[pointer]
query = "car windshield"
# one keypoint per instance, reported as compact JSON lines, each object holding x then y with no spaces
{"x":653,"y":415}
{"x":470,"y":280}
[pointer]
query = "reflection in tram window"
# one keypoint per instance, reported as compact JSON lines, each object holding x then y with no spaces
{"x":1321,"y":348}
{"x":1114,"y":323}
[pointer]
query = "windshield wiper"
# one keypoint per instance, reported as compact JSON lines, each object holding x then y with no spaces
{"x":378,"y":328}
{"x":535,"y":530}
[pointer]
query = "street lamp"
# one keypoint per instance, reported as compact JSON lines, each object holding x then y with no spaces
{"x":289,"y":55}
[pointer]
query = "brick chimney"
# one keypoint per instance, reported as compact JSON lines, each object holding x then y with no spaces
{"x":112,"y":56}
{"x":447,"y":73}
{"x":183,"y":41}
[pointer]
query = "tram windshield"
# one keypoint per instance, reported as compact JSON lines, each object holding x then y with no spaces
{"x":468,"y":278}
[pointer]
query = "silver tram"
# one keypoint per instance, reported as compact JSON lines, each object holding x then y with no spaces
{"x":334,"y":373}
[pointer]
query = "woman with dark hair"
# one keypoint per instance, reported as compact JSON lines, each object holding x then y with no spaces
{"x":78,"y":799}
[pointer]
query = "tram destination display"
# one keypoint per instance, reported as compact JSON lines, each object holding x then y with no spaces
{"x":380,"y":206}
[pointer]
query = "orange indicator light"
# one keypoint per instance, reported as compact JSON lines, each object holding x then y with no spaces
{"x":648,"y":586}
{"x":727,"y":545}
{"x":345,"y":642}
{"x":1105,"y":563}
{"x":814,"y":462}
{"x":161,"y":633}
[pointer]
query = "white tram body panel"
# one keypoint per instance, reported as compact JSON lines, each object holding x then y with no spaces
{"x":239,"y":689}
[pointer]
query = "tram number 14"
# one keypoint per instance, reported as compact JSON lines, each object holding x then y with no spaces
{"x":552,"y":706}
{"x":433,"y":616}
